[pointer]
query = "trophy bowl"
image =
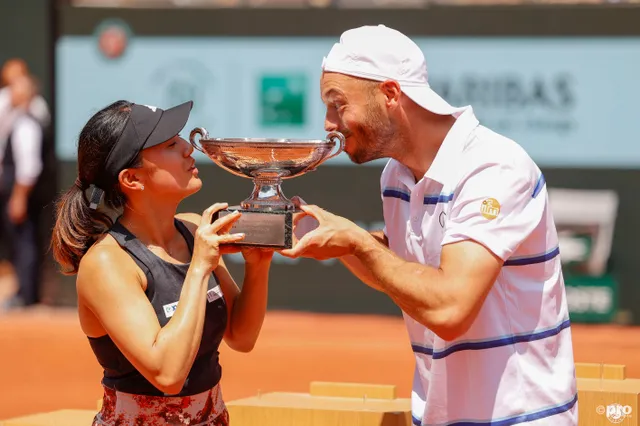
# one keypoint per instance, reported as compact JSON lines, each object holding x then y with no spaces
{"x":267,"y":161}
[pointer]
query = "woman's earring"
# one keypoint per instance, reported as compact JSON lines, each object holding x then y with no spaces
{"x":142,"y":188}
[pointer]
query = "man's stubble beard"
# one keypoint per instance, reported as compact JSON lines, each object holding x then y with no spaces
{"x":379,"y":135}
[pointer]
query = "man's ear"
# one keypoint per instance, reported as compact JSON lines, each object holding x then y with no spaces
{"x":391,"y":90}
{"x":130,"y":179}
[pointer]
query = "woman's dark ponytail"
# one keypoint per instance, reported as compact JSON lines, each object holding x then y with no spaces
{"x":78,"y":225}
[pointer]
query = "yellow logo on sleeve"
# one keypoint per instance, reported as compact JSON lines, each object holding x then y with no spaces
{"x":490,"y":208}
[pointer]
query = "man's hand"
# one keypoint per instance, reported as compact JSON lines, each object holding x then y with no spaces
{"x":334,"y":237}
{"x":302,"y":222}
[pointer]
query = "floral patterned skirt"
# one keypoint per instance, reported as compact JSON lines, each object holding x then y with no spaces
{"x":123,"y":409}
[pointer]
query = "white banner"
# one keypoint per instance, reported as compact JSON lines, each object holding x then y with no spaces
{"x":569,"y":102}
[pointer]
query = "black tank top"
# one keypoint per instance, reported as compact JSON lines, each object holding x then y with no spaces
{"x":164,"y":284}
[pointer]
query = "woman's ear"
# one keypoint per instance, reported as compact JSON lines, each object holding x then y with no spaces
{"x":130,"y":179}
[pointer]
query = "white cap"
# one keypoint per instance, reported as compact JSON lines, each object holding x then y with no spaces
{"x":381,"y":53}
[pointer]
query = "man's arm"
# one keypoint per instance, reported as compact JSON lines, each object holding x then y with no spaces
{"x":304,"y":224}
{"x":446,"y":299}
{"x":357,"y":268}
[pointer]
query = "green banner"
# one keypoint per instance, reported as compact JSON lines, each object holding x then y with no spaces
{"x":592,"y":299}
{"x":282,"y":99}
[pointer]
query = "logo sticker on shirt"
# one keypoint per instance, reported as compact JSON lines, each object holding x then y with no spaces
{"x":490,"y":208}
{"x":170,"y":309}
{"x":214,"y":294}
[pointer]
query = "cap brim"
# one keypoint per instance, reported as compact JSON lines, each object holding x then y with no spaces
{"x":171,"y":123}
{"x":430,"y":100}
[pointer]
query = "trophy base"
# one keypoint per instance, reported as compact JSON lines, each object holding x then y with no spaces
{"x":272,"y":229}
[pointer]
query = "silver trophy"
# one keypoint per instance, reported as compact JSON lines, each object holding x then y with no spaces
{"x":267,"y":215}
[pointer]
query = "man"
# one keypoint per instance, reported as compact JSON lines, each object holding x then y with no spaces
{"x":469,"y":251}
{"x":20,"y":169}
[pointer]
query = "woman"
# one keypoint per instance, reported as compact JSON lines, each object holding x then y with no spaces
{"x":155,"y":298}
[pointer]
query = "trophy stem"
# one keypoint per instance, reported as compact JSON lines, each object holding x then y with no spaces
{"x":267,"y":195}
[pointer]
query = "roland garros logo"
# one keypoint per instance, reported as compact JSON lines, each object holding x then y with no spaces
{"x":615,"y":413}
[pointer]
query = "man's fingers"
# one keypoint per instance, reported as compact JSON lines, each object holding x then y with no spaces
{"x":292,"y":253}
{"x":298,"y":249}
{"x":295,"y":251}
{"x":299,"y":216}
{"x":303,"y":252}
{"x":226,"y":222}
{"x":315,"y":211}
{"x":298,"y":201}
{"x":207,"y":215}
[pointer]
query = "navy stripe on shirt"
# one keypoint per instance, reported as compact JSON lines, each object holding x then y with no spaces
{"x":493,"y":343}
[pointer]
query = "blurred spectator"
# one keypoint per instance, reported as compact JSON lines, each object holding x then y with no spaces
{"x":23,"y":118}
{"x":12,"y":70}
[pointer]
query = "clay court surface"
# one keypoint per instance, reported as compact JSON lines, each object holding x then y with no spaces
{"x":46,"y":363}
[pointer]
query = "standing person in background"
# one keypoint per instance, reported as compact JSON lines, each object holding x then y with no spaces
{"x":20,"y":170}
{"x":19,"y":139}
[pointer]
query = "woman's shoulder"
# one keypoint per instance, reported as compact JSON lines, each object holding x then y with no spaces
{"x":104,"y":255}
{"x":106,"y":245}
{"x":107,"y":267}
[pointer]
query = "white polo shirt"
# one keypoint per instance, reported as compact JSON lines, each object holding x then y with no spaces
{"x":515,"y":364}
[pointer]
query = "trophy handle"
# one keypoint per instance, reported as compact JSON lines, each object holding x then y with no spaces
{"x":203,"y":135}
{"x":330,"y":137}
{"x":335,"y":135}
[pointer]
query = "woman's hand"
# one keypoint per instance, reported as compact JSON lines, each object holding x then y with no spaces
{"x":251,"y":255}
{"x":209,"y":237}
{"x":257,"y":255}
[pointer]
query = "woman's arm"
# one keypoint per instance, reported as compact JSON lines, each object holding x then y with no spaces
{"x":110,"y":287}
{"x":248,"y":307}
{"x":245,"y":309}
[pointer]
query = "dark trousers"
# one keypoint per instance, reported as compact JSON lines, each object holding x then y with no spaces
{"x":22,"y":248}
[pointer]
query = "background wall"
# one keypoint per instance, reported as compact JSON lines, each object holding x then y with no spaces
{"x":560,"y":80}
{"x":27,"y":31}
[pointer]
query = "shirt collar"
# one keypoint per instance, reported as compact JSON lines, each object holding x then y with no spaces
{"x":447,"y":155}
{"x":452,"y":146}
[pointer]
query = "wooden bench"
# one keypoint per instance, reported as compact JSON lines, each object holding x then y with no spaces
{"x":325,"y":404}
